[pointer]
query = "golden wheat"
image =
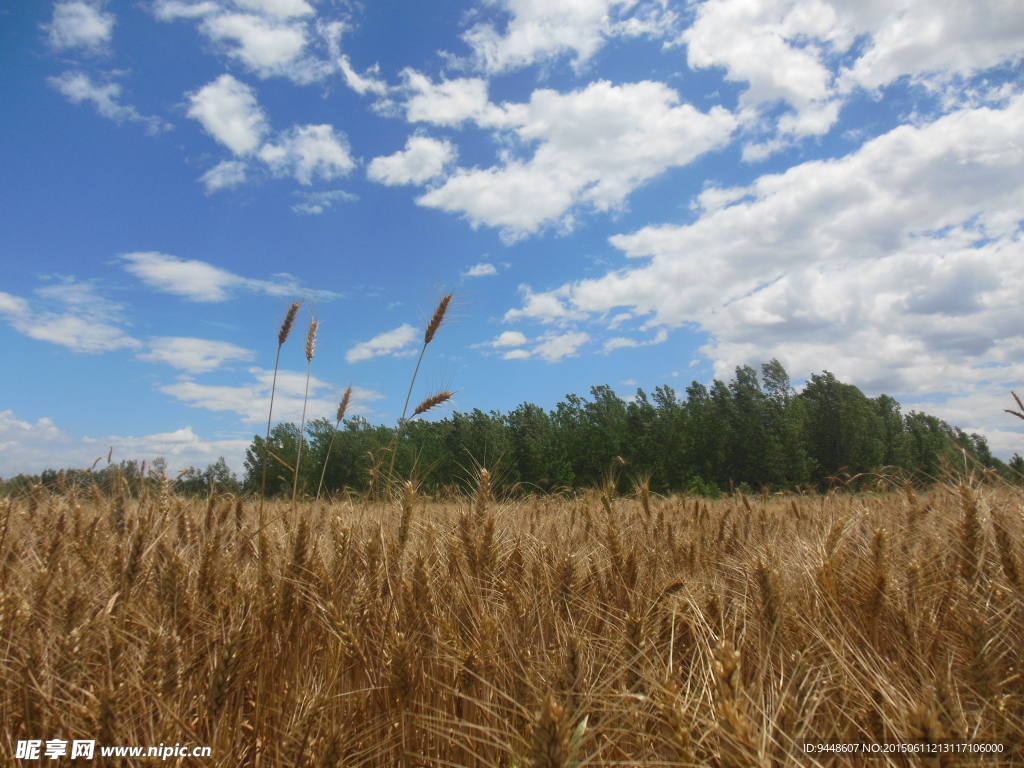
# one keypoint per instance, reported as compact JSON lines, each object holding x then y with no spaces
{"x":485,"y":632}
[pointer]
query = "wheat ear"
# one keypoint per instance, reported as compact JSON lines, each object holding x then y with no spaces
{"x":310,"y":349}
{"x":342,"y":407}
{"x":282,"y":336}
{"x":428,"y":336}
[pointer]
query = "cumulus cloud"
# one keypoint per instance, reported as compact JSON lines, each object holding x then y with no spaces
{"x":551,"y":346}
{"x":510,"y":339}
{"x":535,"y":31}
{"x":627,"y":342}
{"x":78,"y":87}
{"x":307,"y":151}
{"x":202,"y":282}
{"x":265,"y":46}
{"x":450,"y":102}
{"x":194,"y":355}
{"x":169,"y":10}
{"x":229,"y":111}
{"x":422,"y":159}
{"x":80,"y":25}
{"x":74,"y":315}
{"x":593,"y":148}
{"x":369,"y":82}
{"x":789,"y":51}
{"x":481,"y":270}
{"x":933,"y":38}
{"x":554,"y":347}
{"x":896,"y":267}
{"x":270,"y":38}
{"x":546,"y":307}
{"x":282,"y":9}
{"x":251,"y":400}
{"x":27,"y":447}
{"x":224,"y":175}
{"x":395,"y":343}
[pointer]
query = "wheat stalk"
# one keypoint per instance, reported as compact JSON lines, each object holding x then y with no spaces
{"x":282,"y":336}
{"x":428,"y":336}
{"x":310,"y":349}
{"x":342,"y":408}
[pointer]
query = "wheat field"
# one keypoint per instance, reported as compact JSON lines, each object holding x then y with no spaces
{"x":580,"y":630}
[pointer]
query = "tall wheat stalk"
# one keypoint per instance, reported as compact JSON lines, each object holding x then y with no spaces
{"x":310,"y":350}
{"x":428,"y":336}
{"x":282,"y":337}
{"x":342,"y":407}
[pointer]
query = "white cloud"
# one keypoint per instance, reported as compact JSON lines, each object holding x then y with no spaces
{"x":369,"y":82}
{"x":195,"y":280}
{"x":79,"y":333}
{"x":169,"y":10}
{"x":758,"y":43}
{"x":624,"y":342}
{"x":593,"y":148}
{"x":194,"y":355}
{"x":554,"y":347}
{"x":224,"y":175}
{"x":896,"y":267}
{"x":315,"y":203}
{"x":80,"y":25}
{"x":550,"y":346}
{"x":546,"y":307}
{"x":282,"y":9}
{"x":422,"y":159}
{"x":13,"y":305}
{"x":395,"y":342}
{"x":481,"y":270}
{"x":788,"y":51}
{"x":200,"y":281}
{"x":271,"y":38}
{"x":307,"y":151}
{"x":935,"y":38}
{"x":543,"y":29}
{"x":229,"y":112}
{"x":86,"y":321}
{"x":79,"y":87}
{"x":508,"y":339}
{"x":450,"y":102}
{"x":251,"y":401}
{"x":265,"y":46}
{"x":30,"y":448}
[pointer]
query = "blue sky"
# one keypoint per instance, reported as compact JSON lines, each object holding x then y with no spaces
{"x":621,"y":192}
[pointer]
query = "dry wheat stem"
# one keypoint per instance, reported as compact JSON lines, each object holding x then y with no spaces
{"x":310,"y":347}
{"x":282,"y":336}
{"x":428,"y":336}
{"x":342,"y":408}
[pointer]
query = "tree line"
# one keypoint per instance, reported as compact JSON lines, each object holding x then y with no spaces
{"x":131,"y":477}
{"x":754,"y":432}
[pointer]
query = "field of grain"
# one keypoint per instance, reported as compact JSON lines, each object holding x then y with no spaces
{"x":546,"y":631}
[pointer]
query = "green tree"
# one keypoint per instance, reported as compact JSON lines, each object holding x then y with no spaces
{"x":843,"y":428}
